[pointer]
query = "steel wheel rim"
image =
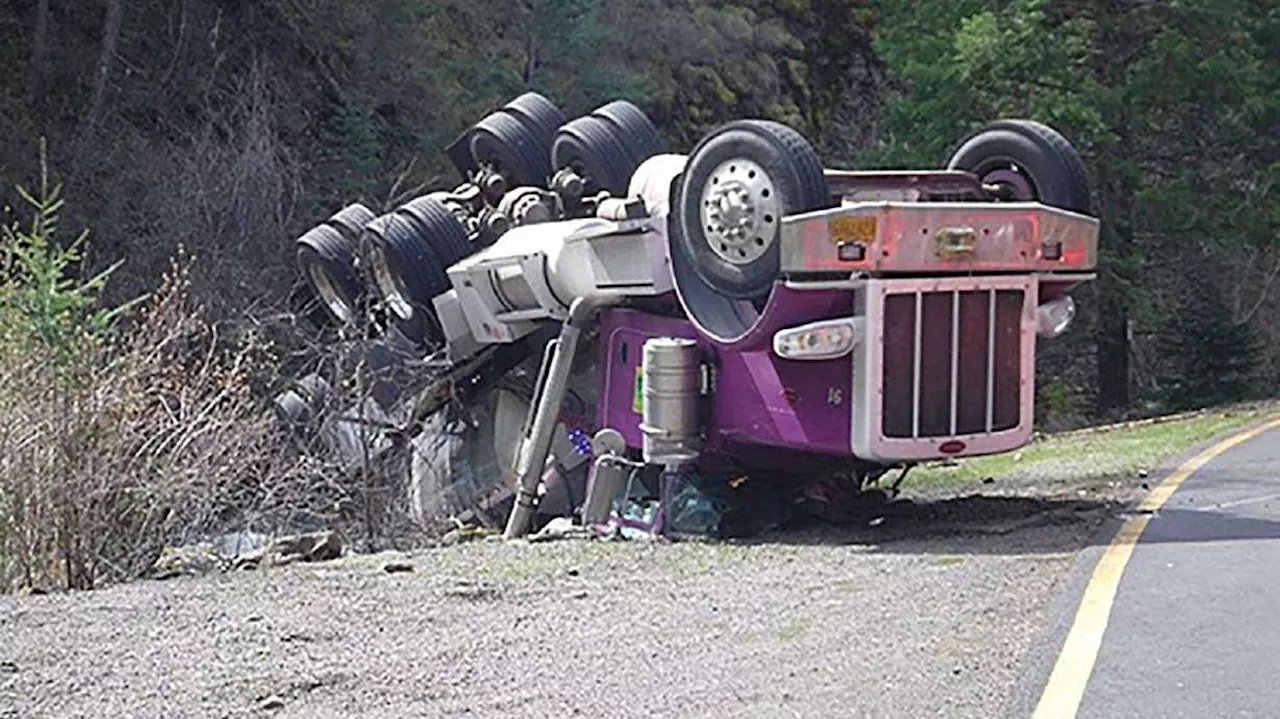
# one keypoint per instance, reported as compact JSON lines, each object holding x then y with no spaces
{"x":740,"y":209}
{"x":329,"y":293}
{"x":390,"y":285}
{"x":1007,"y":173}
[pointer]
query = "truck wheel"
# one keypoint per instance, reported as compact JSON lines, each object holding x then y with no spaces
{"x":324,"y":257}
{"x":739,"y":183}
{"x":540,"y":115}
{"x":590,"y":148}
{"x":350,"y":221}
{"x":406,"y":268}
{"x":633,"y":128}
{"x":441,"y":227}
{"x":1028,"y":161}
{"x":512,"y":148}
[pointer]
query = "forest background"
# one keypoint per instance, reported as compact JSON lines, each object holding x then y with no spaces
{"x":228,"y":127}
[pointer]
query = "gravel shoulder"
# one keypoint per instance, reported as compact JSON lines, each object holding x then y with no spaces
{"x":937,"y":611}
{"x":928,"y":614}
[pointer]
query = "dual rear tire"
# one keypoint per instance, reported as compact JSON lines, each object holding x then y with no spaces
{"x":605,"y":147}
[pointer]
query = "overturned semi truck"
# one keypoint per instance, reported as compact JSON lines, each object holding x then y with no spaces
{"x":751,"y":309}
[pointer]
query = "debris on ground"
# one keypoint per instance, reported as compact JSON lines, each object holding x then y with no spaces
{"x":468,"y":589}
{"x":200,"y":558}
{"x":245,"y":551}
{"x":270,"y":704}
{"x":314,"y":547}
{"x":560,"y":528}
{"x":466,"y":534}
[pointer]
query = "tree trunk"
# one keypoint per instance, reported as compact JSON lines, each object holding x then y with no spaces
{"x":39,"y":69}
{"x":110,"y":36}
{"x":1113,"y":345}
{"x":1117,"y":38}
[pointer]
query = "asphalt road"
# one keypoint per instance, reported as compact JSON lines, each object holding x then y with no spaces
{"x":1194,"y":630}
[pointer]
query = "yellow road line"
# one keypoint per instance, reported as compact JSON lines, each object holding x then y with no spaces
{"x":1065,"y":689}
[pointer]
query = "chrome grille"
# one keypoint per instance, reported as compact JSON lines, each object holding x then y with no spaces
{"x":952,"y":362}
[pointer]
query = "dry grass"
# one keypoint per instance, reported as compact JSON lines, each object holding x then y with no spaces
{"x":122,"y":433}
{"x":127,"y":444}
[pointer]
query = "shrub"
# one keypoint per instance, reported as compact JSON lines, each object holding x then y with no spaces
{"x":121,"y":428}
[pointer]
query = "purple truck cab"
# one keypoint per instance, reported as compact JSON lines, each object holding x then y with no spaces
{"x":919,"y":343}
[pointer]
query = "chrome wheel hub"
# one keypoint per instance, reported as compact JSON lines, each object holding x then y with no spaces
{"x":740,"y":211}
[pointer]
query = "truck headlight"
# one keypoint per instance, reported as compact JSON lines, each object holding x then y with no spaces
{"x":823,"y":340}
{"x":1055,"y":316}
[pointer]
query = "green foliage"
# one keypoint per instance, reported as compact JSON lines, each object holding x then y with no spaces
{"x":960,"y":64}
{"x":1172,"y":105}
{"x":42,"y":303}
{"x":568,"y":47}
{"x":353,"y":134}
{"x":1214,"y":356}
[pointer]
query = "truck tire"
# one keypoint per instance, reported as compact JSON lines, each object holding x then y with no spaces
{"x":301,"y":403}
{"x":540,"y":115}
{"x":501,"y":141}
{"x":590,"y":147}
{"x":324,"y":257}
{"x":350,"y":221}
{"x":633,"y":128}
{"x":1031,"y":161}
{"x":441,"y":227}
{"x":406,"y":267}
{"x":740,"y":181}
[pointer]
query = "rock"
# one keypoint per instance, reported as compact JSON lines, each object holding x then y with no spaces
{"x":1143,"y":474}
{"x":270,"y":704}
{"x":988,"y":480}
{"x":397,"y":567}
{"x":1145,"y":486}
{"x":560,"y":528}
{"x":314,"y":547}
{"x":579,"y":594}
{"x":467,"y":534}
{"x":573,"y":571}
{"x":190,"y":559}
{"x":232,"y":545}
{"x":8,"y":668}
